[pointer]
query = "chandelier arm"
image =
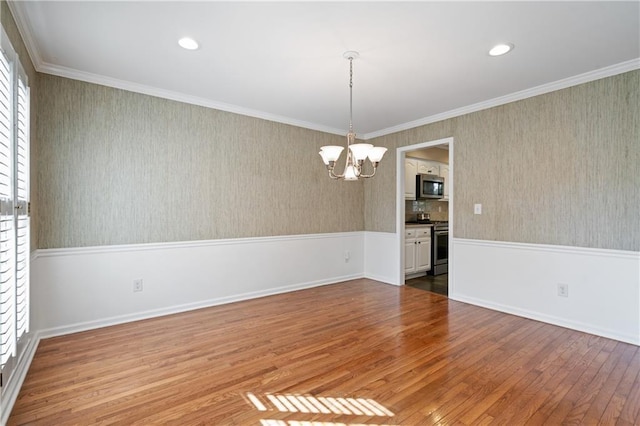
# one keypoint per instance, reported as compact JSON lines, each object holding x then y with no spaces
{"x":359,"y":166}
{"x":372,"y":174}
{"x":335,"y":176}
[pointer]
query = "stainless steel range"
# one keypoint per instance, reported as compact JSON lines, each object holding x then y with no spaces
{"x":440,"y":248}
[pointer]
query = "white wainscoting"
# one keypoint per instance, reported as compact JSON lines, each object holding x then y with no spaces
{"x":381,"y":257}
{"x":522,"y":279}
{"x":85,"y":288}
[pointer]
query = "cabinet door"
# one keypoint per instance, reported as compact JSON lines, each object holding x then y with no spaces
{"x":444,"y":173}
{"x":410,"y":256}
{"x":410,"y":172}
{"x":426,"y":167}
{"x":423,"y":255}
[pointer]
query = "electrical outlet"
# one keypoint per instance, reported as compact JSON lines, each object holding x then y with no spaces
{"x":347,"y":256}
{"x":137,"y":285}
{"x":563,"y":290}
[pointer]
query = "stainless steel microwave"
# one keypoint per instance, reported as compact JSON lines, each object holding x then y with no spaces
{"x":429,"y":186}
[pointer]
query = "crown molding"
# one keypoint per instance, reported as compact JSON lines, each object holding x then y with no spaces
{"x":41,"y":66}
{"x":24,"y":28}
{"x":609,"y":71}
{"x":612,"y":70}
{"x":181,"y":97}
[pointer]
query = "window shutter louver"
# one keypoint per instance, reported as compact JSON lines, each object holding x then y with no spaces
{"x":14,"y":207}
{"x":7,"y":238}
{"x":22,"y":198}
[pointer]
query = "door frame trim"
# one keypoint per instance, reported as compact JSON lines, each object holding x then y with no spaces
{"x":400,"y":203}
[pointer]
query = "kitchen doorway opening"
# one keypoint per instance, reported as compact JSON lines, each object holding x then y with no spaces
{"x":439,"y":154}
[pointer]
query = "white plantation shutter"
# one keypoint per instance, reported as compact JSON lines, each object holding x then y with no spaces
{"x":7,"y":235}
{"x":23,"y":250}
{"x":14,"y":206}
{"x":8,"y":292}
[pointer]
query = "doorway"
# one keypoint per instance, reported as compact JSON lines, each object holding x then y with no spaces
{"x":431,"y":153}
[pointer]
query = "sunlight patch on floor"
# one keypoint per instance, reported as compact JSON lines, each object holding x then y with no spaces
{"x":310,"y":423}
{"x":308,"y":404}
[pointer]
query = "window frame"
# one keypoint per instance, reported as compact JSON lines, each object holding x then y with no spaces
{"x":15,"y":250}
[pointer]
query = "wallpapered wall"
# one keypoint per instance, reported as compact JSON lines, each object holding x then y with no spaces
{"x":561,"y":168}
{"x":116,"y":167}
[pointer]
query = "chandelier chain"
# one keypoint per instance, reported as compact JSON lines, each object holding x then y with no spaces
{"x":350,"y":94}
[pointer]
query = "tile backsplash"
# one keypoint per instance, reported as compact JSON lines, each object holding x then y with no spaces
{"x":438,"y":210}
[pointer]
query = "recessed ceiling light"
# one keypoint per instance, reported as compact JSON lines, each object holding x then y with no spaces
{"x":501,"y":49}
{"x":188,"y":43}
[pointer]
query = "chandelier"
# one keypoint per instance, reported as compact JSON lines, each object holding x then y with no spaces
{"x":356,"y":152}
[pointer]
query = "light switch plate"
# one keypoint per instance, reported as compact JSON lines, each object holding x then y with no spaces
{"x":477,"y":209}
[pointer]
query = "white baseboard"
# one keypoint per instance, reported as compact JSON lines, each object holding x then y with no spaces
{"x":551,"y":319}
{"x":522,"y":279}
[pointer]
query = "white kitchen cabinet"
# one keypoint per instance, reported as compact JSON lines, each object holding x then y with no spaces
{"x":409,"y":256}
{"x":423,"y":249}
{"x":423,"y":255}
{"x":410,"y":172}
{"x":426,"y":167}
{"x":417,"y":249}
{"x":444,"y":173}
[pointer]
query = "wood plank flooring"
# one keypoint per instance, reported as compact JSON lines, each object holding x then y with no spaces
{"x":358,"y":352}
{"x":435,"y":284}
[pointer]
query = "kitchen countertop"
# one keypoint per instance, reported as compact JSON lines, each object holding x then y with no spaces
{"x":417,"y":225}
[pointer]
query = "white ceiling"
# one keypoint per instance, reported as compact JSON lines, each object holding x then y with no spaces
{"x":419,"y":61}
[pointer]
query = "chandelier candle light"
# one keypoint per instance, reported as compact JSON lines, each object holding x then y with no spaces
{"x":356,"y":152}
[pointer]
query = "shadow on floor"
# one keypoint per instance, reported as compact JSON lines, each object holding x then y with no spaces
{"x":436,"y":284}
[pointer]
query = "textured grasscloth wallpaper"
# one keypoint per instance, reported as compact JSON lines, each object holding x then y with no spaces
{"x":116,"y":167}
{"x":561,"y":168}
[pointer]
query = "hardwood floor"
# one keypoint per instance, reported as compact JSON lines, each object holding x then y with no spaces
{"x":436,"y":284}
{"x":358,"y":352}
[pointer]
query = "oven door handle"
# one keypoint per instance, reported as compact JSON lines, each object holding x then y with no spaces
{"x":442,"y":232}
